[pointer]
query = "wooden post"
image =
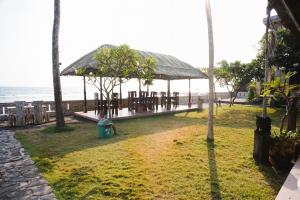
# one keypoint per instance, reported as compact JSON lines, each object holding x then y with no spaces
{"x":84,"y":96}
{"x":190,"y":96}
{"x":120,"y":100}
{"x":38,"y":112}
{"x":101,"y":97}
{"x":20,"y":115}
{"x":140,"y":90}
{"x":168,"y":97}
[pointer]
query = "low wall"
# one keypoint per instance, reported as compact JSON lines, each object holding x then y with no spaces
{"x":78,"y":105}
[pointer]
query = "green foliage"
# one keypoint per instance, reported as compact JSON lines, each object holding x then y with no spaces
{"x":234,"y":76}
{"x":117,"y":65}
{"x":287,"y":51}
{"x":277,"y":88}
{"x":123,"y":62}
{"x":44,"y":164}
{"x":251,"y":95}
{"x":289,"y":92}
{"x":295,"y":134}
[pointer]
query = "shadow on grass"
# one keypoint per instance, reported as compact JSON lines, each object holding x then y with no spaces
{"x":273,"y":177}
{"x":214,"y":180}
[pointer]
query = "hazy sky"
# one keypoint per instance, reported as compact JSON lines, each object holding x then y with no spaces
{"x":175,"y":27}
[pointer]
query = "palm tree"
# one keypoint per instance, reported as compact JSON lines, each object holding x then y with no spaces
{"x":210,"y":132}
{"x":60,"y":121}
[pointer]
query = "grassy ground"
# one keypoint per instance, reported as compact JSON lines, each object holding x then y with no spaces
{"x":165,"y":157}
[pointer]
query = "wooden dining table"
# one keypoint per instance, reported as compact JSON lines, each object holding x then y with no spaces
{"x":143,"y":104}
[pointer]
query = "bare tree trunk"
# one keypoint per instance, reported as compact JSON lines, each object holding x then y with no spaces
{"x":282,"y":121}
{"x":109,"y":107}
{"x":210,"y":133}
{"x":230,"y":100}
{"x":292,"y":115}
{"x":60,"y":122}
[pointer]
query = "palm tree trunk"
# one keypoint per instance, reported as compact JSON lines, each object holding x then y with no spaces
{"x":210,"y":133}
{"x":60,"y":121}
{"x":264,"y":112}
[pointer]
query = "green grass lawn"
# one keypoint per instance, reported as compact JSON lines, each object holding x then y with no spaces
{"x":164,"y":157}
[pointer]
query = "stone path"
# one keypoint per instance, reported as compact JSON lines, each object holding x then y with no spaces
{"x":19,"y":177}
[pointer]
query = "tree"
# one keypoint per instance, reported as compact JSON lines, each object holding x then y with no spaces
{"x":116,"y":65}
{"x":210,"y":133}
{"x":289,"y":92}
{"x":60,"y":122}
{"x":286,"y":55}
{"x":234,"y":76}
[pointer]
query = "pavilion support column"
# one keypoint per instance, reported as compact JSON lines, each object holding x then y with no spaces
{"x":168,"y":96}
{"x":190,"y":96}
{"x":140,"y":90}
{"x":84,"y":96}
{"x":120,"y":101}
{"x":101,"y":99}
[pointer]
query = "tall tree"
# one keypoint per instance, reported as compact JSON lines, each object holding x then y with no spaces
{"x":210,"y":133}
{"x":116,"y":65}
{"x":287,"y":56}
{"x":60,"y":122}
{"x":234,"y":76}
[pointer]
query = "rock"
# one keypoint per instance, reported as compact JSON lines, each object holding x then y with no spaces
{"x":19,"y":177}
{"x":3,"y":117}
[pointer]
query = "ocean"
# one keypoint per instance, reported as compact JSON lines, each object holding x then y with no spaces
{"x":11,"y":94}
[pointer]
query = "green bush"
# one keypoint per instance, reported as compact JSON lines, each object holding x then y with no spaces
{"x":251,"y":95}
{"x":286,"y":135}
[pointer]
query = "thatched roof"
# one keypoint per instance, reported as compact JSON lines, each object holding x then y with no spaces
{"x":168,"y":67}
{"x":289,"y":13}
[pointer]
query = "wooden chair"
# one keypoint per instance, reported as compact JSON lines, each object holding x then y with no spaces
{"x":163,"y":99}
{"x":153,"y":101}
{"x":175,"y":99}
{"x":114,"y":104}
{"x":143,"y":101}
{"x":131,"y":101}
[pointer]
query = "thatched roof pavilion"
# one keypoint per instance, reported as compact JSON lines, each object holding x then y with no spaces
{"x":168,"y":67}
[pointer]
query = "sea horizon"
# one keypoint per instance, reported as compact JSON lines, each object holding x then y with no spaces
{"x":9,"y":94}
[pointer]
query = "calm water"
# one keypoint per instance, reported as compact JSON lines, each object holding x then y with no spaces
{"x":11,"y":94}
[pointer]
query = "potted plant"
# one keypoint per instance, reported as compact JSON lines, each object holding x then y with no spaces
{"x":283,"y":147}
